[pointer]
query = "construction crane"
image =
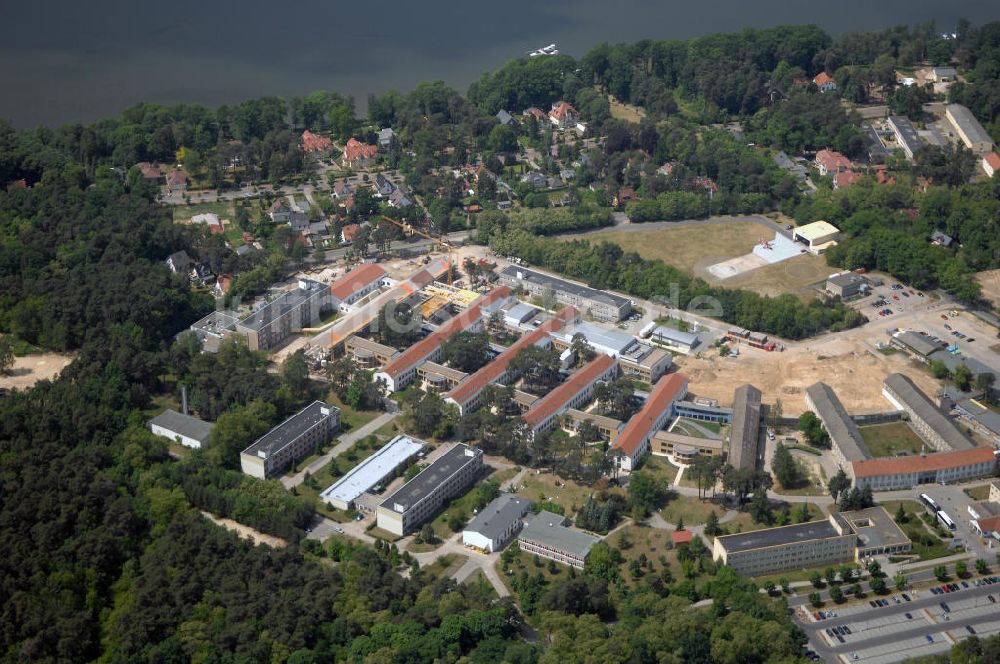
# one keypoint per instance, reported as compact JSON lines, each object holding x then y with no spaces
{"x":410,"y":230}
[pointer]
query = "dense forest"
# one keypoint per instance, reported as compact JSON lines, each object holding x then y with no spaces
{"x":103,"y":552}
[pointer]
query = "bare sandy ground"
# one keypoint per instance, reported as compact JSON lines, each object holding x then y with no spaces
{"x":990,"y":281}
{"x":246,"y":532}
{"x":853,"y":370}
{"x":30,"y":369}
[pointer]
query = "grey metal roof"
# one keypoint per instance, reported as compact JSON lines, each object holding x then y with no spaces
{"x":988,"y":418}
{"x":521,"y":312}
{"x":745,"y":431}
{"x":907,"y":134}
{"x":184,"y":425}
{"x":432,"y":476}
{"x":911,"y":396}
{"x":969,"y":124}
{"x":941,"y":238}
{"x":547,"y":529}
{"x":953,"y":361}
{"x":286,"y":432}
{"x":498,"y":516}
{"x":616,"y":342}
{"x":758,"y":539}
{"x":843,"y":431}
{"x":374,"y":469}
{"x":284,"y":303}
{"x":567,"y":286}
{"x":919,"y":343}
{"x":675,"y":336}
{"x":874,"y":527}
{"x":849,"y":279}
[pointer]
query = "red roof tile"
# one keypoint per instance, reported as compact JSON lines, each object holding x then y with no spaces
{"x":833,"y":161}
{"x":453,"y":326}
{"x":355,"y":150}
{"x":845,"y":179}
{"x":823,"y":78}
{"x":993,"y":159}
{"x":355,"y":280}
{"x":990,"y":524}
{"x":637,"y":428}
{"x":474,"y":384}
{"x":558,"y":397}
{"x":349,"y":231}
{"x":176,"y":178}
{"x":681,"y":536}
{"x":922,"y":464}
{"x":561,"y":110}
{"x":313,"y":143}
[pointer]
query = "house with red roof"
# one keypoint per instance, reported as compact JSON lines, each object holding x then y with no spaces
{"x":315,"y":145}
{"x":910,"y":471}
{"x":357,"y":283}
{"x":706,"y":183}
{"x":358,"y":154}
{"x":177,"y":181}
{"x":825,"y":82}
{"x":830,"y":162}
{"x":17,"y":184}
{"x":150,"y":172}
{"x":633,"y":442}
{"x":348,"y":232}
{"x":563,"y":114}
{"x":679,"y":537}
{"x":537,"y":113}
{"x":991,"y":163}
{"x":574,"y":392}
{"x":845,"y":179}
{"x":222,"y":285}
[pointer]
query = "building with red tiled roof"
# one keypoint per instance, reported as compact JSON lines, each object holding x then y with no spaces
{"x":882,"y":177}
{"x":830,"y":162}
{"x":311,"y":143}
{"x":845,"y":179}
{"x":222,"y":284}
{"x":348,"y":232}
{"x":401,"y":371}
{"x":466,"y":394}
{"x":991,"y":163}
{"x":825,"y":82}
{"x":571,"y":393}
{"x":177,"y":181}
{"x":988,"y":527}
{"x":17,"y":184}
{"x":563,"y":114}
{"x":679,"y":537}
{"x":910,"y":471}
{"x":633,"y":443}
{"x":358,"y":154}
{"x":356,"y":284}
{"x":537,"y":113}
{"x":150,"y":171}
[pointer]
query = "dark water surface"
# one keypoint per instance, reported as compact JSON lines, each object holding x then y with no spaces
{"x":79,"y":61}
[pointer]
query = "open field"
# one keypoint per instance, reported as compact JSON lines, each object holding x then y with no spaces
{"x":548,"y":487}
{"x":694,"y":512}
{"x":845,"y":363}
{"x":30,"y":369}
{"x":889,"y":440}
{"x":979,"y":492}
{"x":185,"y":212}
{"x":626,"y":112}
{"x":696,"y":247}
{"x":989,"y":280}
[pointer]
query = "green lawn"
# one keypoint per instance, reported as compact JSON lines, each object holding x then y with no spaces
{"x":926,"y":543}
{"x":549,"y":487}
{"x":634,"y":542}
{"x":979,"y":492}
{"x":351,"y":419}
{"x":660,"y":469}
{"x":697,"y":428}
{"x":889,"y":440}
{"x":185,"y":212}
{"x":694,"y":512}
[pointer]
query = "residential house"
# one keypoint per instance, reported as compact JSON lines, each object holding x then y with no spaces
{"x":315,"y":145}
{"x":209,"y":219}
{"x":830,"y":162}
{"x":383,"y":188}
{"x":298,"y":221}
{"x":179,"y":262}
{"x":358,"y":154}
{"x":563,"y":115}
{"x":706,"y":183}
{"x":536,"y":179}
{"x":624,"y":195}
{"x":943,"y":74}
{"x":385,"y":137}
{"x":280,"y":212}
{"x":16,"y":184}
{"x":176,"y":181}
{"x":320,"y":228}
{"x":538,"y":114}
{"x":991,"y":163}
{"x":940,"y":239}
{"x":348,"y":232}
{"x":667,"y":169}
{"x":150,"y":172}
{"x":202,"y":273}
{"x":223,"y":284}
{"x":506,"y":119}
{"x":845,"y":179}
{"x":400,"y":198}
{"x":825,"y":82}
{"x":342,"y":189}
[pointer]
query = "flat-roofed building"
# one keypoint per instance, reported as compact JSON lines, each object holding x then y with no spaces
{"x":847,"y":284}
{"x":845,"y":437}
{"x":547,"y":536}
{"x":466,"y":394}
{"x":683,"y":342}
{"x":602,"y":305}
{"x":980,"y":418}
{"x":703,"y":410}
{"x":368,"y":354}
{"x":995,"y":491}
{"x":916,"y":344}
{"x":518,"y":316}
{"x":291,"y":440}
{"x":439,"y":378}
{"x":926,"y":420}
{"x":841,"y":537}
{"x":817,"y":236}
{"x":747,"y":429}
{"x":214,"y":328}
{"x":910,"y":471}
{"x":683,"y":448}
{"x":496,"y":524}
{"x":357,"y":283}
{"x":575,"y":391}
{"x":180,"y":428}
{"x":402,"y":370}
{"x":633,"y":442}
{"x":417,"y":500}
{"x":906,"y":135}
{"x":372,"y":471}
{"x":634,"y":358}
{"x":973,"y":134}
{"x":285,"y":315}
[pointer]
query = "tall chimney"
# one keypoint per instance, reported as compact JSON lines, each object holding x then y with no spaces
{"x":184,"y":399}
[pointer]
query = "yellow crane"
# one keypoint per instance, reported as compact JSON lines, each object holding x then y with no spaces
{"x":410,"y":230}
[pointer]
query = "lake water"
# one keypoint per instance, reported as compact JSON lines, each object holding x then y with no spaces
{"x":64,"y":61}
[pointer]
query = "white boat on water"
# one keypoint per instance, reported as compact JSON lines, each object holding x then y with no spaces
{"x":545,"y":50}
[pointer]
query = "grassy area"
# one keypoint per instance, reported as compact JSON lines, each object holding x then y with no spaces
{"x":694,"y":512}
{"x":621,"y":111}
{"x":744,"y":523}
{"x":893,"y":439}
{"x":644,"y":543}
{"x":527,"y":562}
{"x":350,"y":418}
{"x":979,"y":492}
{"x":697,"y":428}
{"x":478,"y":580}
{"x":659,"y":468}
{"x":926,"y":543}
{"x":549,"y":487}
{"x":185,"y":212}
{"x":178,"y":450}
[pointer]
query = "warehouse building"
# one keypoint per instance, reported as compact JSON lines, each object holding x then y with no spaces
{"x":973,"y":134}
{"x":817,"y":236}
{"x":402,"y":370}
{"x":906,"y":135}
{"x":633,"y":442}
{"x":910,"y":471}
{"x":846,"y":285}
{"x":841,"y":537}
{"x":417,"y":500}
{"x":356,"y":284}
{"x":980,"y":418}
{"x":845,"y":438}
{"x":747,"y":431}
{"x":926,"y":420}
{"x":180,"y":428}
{"x":518,"y":316}
{"x":293,"y":439}
{"x":599,"y":304}
{"x":496,"y":524}
{"x":371,"y":472}
{"x":547,"y":536}
{"x":920,"y":346}
{"x":575,"y":391}
{"x":683,"y":342}
{"x":285,"y":315}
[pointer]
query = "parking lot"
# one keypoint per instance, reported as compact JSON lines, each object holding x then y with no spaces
{"x":921,"y":626}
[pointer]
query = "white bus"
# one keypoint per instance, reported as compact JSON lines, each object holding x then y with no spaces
{"x":927,"y":500}
{"x":946,"y":520}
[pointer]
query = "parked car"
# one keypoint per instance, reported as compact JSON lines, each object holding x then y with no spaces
{"x":969,"y":629}
{"x":946,"y":318}
{"x":930,"y":639}
{"x":909,"y":616}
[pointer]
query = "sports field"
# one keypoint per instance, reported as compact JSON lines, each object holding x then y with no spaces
{"x":889,"y":440}
{"x":695,"y":248}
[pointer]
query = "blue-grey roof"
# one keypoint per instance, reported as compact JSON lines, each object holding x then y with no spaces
{"x":547,"y":529}
{"x":286,"y":432}
{"x":497,"y":517}
{"x":183,"y":425}
{"x":675,"y":336}
{"x":924,"y":408}
{"x":432,"y":476}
